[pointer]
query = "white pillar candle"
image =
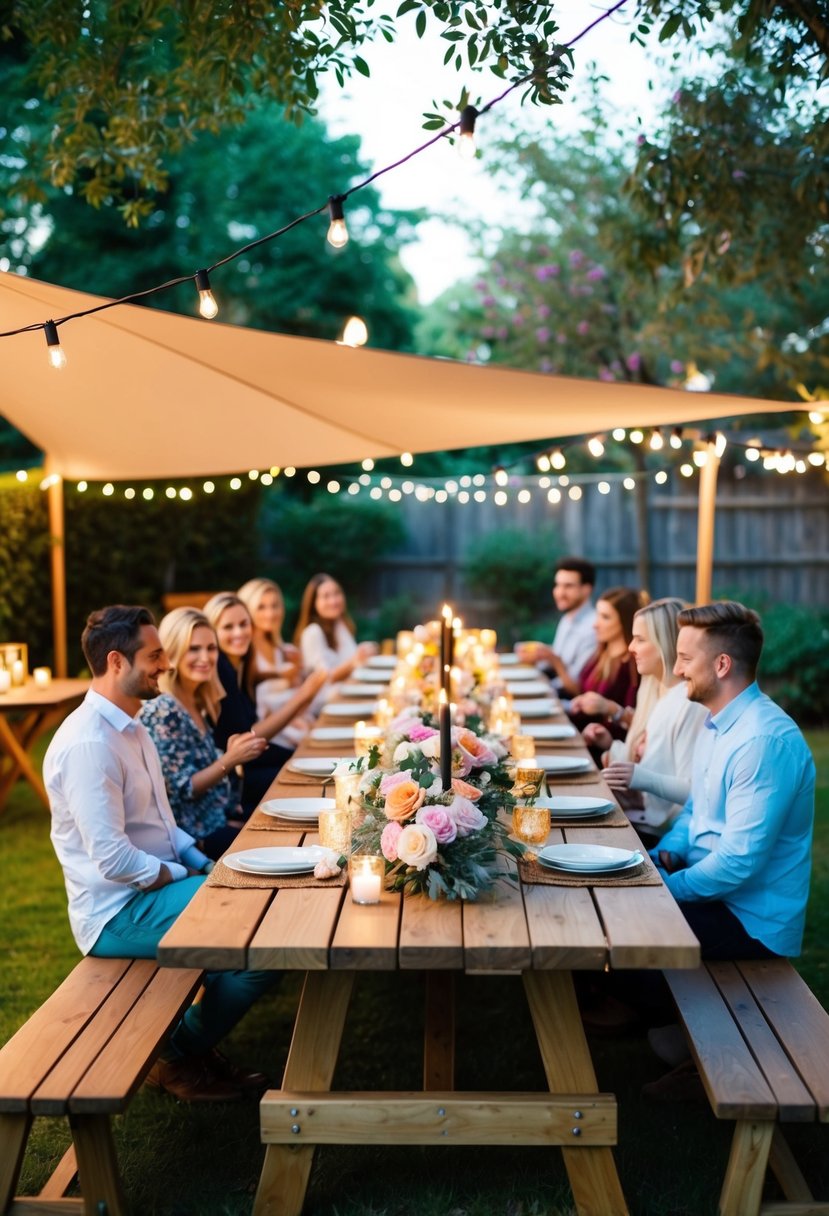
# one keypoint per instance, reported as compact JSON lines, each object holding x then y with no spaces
{"x":42,"y":676}
{"x":18,"y":672}
{"x":5,"y":679}
{"x":366,"y":879}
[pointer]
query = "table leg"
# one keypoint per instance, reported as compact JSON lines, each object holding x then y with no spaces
{"x":311,"y":1061}
{"x":569,"y":1068}
{"x":439,"y":1032}
{"x":20,"y":763}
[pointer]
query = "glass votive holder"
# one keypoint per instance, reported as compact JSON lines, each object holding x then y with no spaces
{"x":531,"y":824}
{"x":42,"y":677}
{"x":405,"y":641}
{"x":366,"y":736}
{"x":488,"y":639}
{"x":335,"y":831}
{"x":528,"y":781}
{"x":506,"y":725}
{"x":522,"y":747}
{"x":347,"y":788}
{"x":5,"y":679}
{"x":365,"y":877}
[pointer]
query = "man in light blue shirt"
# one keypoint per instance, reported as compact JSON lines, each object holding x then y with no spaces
{"x":738,"y":858}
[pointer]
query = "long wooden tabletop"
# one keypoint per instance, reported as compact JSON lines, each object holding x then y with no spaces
{"x":515,"y":928}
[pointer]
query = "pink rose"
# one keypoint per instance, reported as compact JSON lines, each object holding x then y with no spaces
{"x":475,"y":750}
{"x":440,"y":821}
{"x":388,"y":841}
{"x":420,"y":732}
{"x":390,"y":780}
{"x":467,"y":818}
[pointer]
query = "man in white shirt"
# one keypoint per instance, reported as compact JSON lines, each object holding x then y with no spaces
{"x":129,"y":868}
{"x":575,"y":636}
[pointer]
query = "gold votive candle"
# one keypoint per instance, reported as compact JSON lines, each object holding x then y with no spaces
{"x":527,"y":781}
{"x":335,"y":831}
{"x":522,"y":747}
{"x":405,"y":641}
{"x":488,"y":639}
{"x":366,"y":736}
{"x":365,"y":877}
{"x":42,"y":676}
{"x":346,"y":788}
{"x":531,"y":824}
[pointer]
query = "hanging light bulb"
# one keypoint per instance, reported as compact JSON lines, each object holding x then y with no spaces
{"x":57,"y":355}
{"x":676,"y":437}
{"x":595,"y":447}
{"x":542,"y":463}
{"x":337,"y":231}
{"x":501,"y":477}
{"x":207,"y":301}
{"x":656,"y":441}
{"x":557,"y":459}
{"x":467,"y":148}
{"x":720,"y":444}
{"x":355,"y":332}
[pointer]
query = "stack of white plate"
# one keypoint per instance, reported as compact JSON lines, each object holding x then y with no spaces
{"x":575,"y":808}
{"x":387,"y":661}
{"x":278,"y":860}
{"x":537,"y":708}
{"x":520,"y":672}
{"x":316,"y":766}
{"x":332,"y":734}
{"x":300,"y":809}
{"x":549,"y":730}
{"x":561,"y":764}
{"x":350,"y":709}
{"x":363,"y":690}
{"x":527,"y":688}
{"x":589,"y":858}
{"x":508,"y":660}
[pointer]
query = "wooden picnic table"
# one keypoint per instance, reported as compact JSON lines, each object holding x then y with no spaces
{"x":542,"y":933}
{"x":26,"y":713}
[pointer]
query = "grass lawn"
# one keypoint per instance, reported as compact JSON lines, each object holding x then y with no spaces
{"x":180,"y":1161}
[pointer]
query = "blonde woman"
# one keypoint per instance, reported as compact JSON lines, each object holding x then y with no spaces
{"x":274,"y":663}
{"x":200,"y":779}
{"x":655,"y":759}
{"x":237,"y":713}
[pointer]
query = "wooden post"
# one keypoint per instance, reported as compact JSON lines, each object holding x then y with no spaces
{"x":705,"y":521}
{"x":57,"y":557}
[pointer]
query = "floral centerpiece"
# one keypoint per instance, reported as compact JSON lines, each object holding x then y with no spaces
{"x":440,"y":842}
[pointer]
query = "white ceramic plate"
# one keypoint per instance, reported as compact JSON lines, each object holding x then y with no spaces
{"x":561,"y":764}
{"x":350,"y":709}
{"x":565,"y":804}
{"x":519,"y":672}
{"x":548,"y":730}
{"x":535,"y":709}
{"x":276,"y":860}
{"x":363,"y":690}
{"x":508,"y":660}
{"x":332,"y":734}
{"x":371,"y":675}
{"x":589,"y":858}
{"x":316,"y":766}
{"x":389,"y":661}
{"x":528,"y":688}
{"x":297,"y":808}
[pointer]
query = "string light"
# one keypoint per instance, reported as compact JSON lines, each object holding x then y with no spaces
{"x":629,"y":483}
{"x":676,"y":438}
{"x":467,"y":148}
{"x":502,"y":476}
{"x":266,"y":479}
{"x":687,"y":470}
{"x":333,"y":486}
{"x":337,"y":229}
{"x":661,"y":477}
{"x":814,"y":458}
{"x":170,"y":492}
{"x":253,"y":474}
{"x":313,"y":476}
{"x":656,"y":441}
{"x":22,"y":475}
{"x":554,"y":495}
{"x":636,"y":436}
{"x":500,"y":498}
{"x":290,"y":471}
{"x":542,"y":463}
{"x":619,"y":433}
{"x":524,"y":496}
{"x":557,"y":459}
{"x":574,"y":493}
{"x":108,"y":489}
{"x":185,"y":493}
{"x":700,"y":458}
{"x":235,"y":483}
{"x":355,"y":332}
{"x":129,"y":493}
{"x":595,"y":447}
{"x":208,"y":487}
{"x":82,"y":486}
{"x":207,"y":301}
{"x":816,"y":417}
{"x":752,"y":453}
{"x":603,"y":487}
{"x":148,"y":493}
{"x":57,"y":355}
{"x":406,"y":459}
{"x":368,"y":464}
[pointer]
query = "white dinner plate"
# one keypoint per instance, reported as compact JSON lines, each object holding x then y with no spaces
{"x":363,"y":690}
{"x":565,"y":804}
{"x":535,"y":709}
{"x":528,"y":688}
{"x":371,"y":675}
{"x":508,"y":660}
{"x":297,"y":808}
{"x":589,"y":858}
{"x":389,"y":661}
{"x":350,"y":709}
{"x":549,"y":730}
{"x":316,"y":766}
{"x":332,"y":734}
{"x":277,"y":860}
{"x":519,"y":672}
{"x":561,"y":764}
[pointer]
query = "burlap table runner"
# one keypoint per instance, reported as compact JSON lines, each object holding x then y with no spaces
{"x":223,"y":876}
{"x":260,"y":822}
{"x":531,"y":872}
{"x":571,"y":778}
{"x":289,"y":776}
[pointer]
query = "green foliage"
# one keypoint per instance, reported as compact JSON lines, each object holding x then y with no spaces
{"x":343,"y":539}
{"x":25,"y":596}
{"x":794,"y":668}
{"x":514,"y":571}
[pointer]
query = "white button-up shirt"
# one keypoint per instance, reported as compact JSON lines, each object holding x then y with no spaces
{"x":112,"y":826}
{"x":575,"y":639}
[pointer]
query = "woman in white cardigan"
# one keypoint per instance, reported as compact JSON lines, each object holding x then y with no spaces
{"x":655,"y":759}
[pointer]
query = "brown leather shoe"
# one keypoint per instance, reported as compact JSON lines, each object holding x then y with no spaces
{"x":193,"y":1079}
{"x":246,"y":1079}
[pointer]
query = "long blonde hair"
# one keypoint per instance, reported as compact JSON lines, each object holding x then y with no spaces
{"x":214,"y":608}
{"x":662,"y":628}
{"x":176,"y":631}
{"x":250,"y":593}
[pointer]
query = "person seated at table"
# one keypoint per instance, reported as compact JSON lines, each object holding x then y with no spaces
{"x":129,"y":868}
{"x":325,"y":632}
{"x":237,"y":709}
{"x":608,"y":682}
{"x":651,"y":770}
{"x":200,"y":780}
{"x":276,"y":664}
{"x":575,"y":638}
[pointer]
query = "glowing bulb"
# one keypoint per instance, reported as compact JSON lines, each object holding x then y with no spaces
{"x":209,"y":487}
{"x":207,"y":301}
{"x":661,"y":477}
{"x":355,"y":332}
{"x":57,"y":355}
{"x":636,"y":436}
{"x":815,"y":458}
{"x":752,"y":453}
{"x":22,"y":475}
{"x":108,"y":489}
{"x":603,"y":487}
{"x":543,"y":463}
{"x":368,"y":464}
{"x":595,"y":447}
{"x":574,"y":493}
{"x":700,"y":458}
{"x":557,"y":460}
{"x":629,"y":483}
{"x":816,"y":417}
{"x":337,"y":230}
{"x":676,"y":437}
{"x":129,"y":493}
{"x":500,"y":498}
{"x":313,"y":476}
{"x":720,"y":443}
{"x":82,"y":486}
{"x":524,"y":496}
{"x":619,"y":433}
{"x":147,"y":493}
{"x":406,"y":459}
{"x":687,"y":470}
{"x":467,"y":148}
{"x":656,"y":441}
{"x":501,"y":477}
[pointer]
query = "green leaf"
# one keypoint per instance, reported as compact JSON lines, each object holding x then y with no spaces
{"x":420,"y":24}
{"x":361,"y":65}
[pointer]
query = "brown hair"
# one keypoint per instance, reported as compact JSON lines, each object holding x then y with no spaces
{"x":626,"y":601}
{"x":117,"y":627}
{"x":308,"y":614}
{"x":731,"y":629}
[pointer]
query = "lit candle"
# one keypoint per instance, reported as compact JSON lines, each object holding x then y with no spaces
{"x":446,"y":646}
{"x":5,"y":680}
{"x":335,"y":830}
{"x":42,"y":676}
{"x":366,"y":879}
{"x":18,"y":672}
{"x":445,"y":725}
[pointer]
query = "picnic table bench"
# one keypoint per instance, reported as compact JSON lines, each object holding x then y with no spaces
{"x":760,"y":1039}
{"x":83,"y":1054}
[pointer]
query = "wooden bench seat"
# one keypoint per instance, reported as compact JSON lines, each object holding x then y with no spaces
{"x":83,"y":1054}
{"x":760,"y":1039}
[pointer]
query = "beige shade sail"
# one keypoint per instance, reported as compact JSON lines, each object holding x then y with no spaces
{"x":150,"y":394}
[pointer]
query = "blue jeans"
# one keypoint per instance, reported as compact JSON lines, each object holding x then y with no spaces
{"x":135,"y":932}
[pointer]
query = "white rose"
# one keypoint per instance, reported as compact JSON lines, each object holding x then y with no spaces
{"x":404,"y":750}
{"x":430,"y":747}
{"x":417,"y":846}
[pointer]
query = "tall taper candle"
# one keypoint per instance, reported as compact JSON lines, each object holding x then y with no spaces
{"x":445,"y":647}
{"x":445,"y":725}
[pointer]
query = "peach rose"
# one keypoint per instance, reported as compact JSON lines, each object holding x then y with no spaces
{"x":403,"y":800}
{"x":475,"y":749}
{"x":417,"y":846}
{"x":465,"y":790}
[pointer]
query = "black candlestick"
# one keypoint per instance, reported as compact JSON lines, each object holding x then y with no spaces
{"x":445,"y":725}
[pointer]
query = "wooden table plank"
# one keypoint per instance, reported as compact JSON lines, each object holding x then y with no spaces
{"x":215,"y":929}
{"x":366,"y":935}
{"x":565,"y":929}
{"x":495,"y":934}
{"x":297,"y":930}
{"x":431,"y":934}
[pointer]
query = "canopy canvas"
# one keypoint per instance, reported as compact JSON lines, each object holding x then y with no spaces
{"x":149,"y":394}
